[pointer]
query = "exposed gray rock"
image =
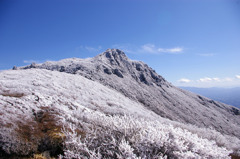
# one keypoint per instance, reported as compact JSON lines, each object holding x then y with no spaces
{"x":141,"y":83}
{"x":14,"y":68}
{"x":107,"y":71}
{"x":118,"y":73}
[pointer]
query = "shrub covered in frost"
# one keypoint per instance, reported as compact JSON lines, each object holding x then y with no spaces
{"x":36,"y":106}
{"x":31,"y":135}
{"x":131,"y":137}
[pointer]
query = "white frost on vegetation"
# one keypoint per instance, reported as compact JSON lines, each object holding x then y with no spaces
{"x":113,"y":125}
{"x":137,"y":81}
{"x":134,"y":137}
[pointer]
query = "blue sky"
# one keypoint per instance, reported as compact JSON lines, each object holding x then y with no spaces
{"x":188,"y":42}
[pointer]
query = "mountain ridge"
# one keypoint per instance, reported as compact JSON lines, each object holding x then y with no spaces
{"x":137,"y":81}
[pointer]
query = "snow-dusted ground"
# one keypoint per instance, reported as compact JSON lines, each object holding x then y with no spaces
{"x":113,"y":124}
{"x":51,"y":88}
{"x":139,"y":82}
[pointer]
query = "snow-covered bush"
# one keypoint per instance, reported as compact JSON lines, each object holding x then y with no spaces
{"x":40,"y":133}
{"x":36,"y":106}
{"x":10,"y":143}
{"x":222,"y":140}
{"x":130,"y":137}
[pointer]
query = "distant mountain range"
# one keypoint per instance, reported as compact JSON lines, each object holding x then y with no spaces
{"x":229,"y":96}
{"x":109,"y":106}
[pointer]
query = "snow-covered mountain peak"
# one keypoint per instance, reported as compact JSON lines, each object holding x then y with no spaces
{"x":115,"y":62}
{"x":113,"y":57}
{"x":117,"y":86}
{"x":115,"y":52}
{"x":139,"y":82}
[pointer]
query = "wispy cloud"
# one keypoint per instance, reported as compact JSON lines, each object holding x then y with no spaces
{"x":92,"y":49}
{"x":227,"y":79}
{"x":205,"y":79}
{"x":151,"y":48}
{"x":89,"y":48}
{"x":207,"y":55}
{"x":31,"y":61}
{"x":126,"y":48}
{"x":237,"y":76}
{"x":184,"y":80}
{"x":215,"y":79}
{"x":210,"y":82}
{"x":208,"y":79}
{"x":148,"y":49}
{"x":172,"y":50}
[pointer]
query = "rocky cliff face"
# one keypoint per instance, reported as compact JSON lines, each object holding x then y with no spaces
{"x":141,"y":83}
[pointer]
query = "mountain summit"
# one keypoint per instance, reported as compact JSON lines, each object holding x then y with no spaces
{"x":109,"y":106}
{"x":114,"y":55}
{"x":137,"y":81}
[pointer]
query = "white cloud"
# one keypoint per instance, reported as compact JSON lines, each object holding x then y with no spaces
{"x":237,"y":76}
{"x":205,"y":79}
{"x":126,"y":48}
{"x":216,"y":79}
{"x":184,"y":80}
{"x":90,"y":49}
{"x":227,"y":79}
{"x":151,"y":48}
{"x":31,"y":61}
{"x":206,"y":55}
{"x":147,"y":48}
{"x":210,"y":82}
{"x":174,"y":50}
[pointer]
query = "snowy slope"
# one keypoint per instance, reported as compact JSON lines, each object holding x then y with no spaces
{"x":97,"y":121}
{"x":137,"y":81}
{"x":51,"y":88}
